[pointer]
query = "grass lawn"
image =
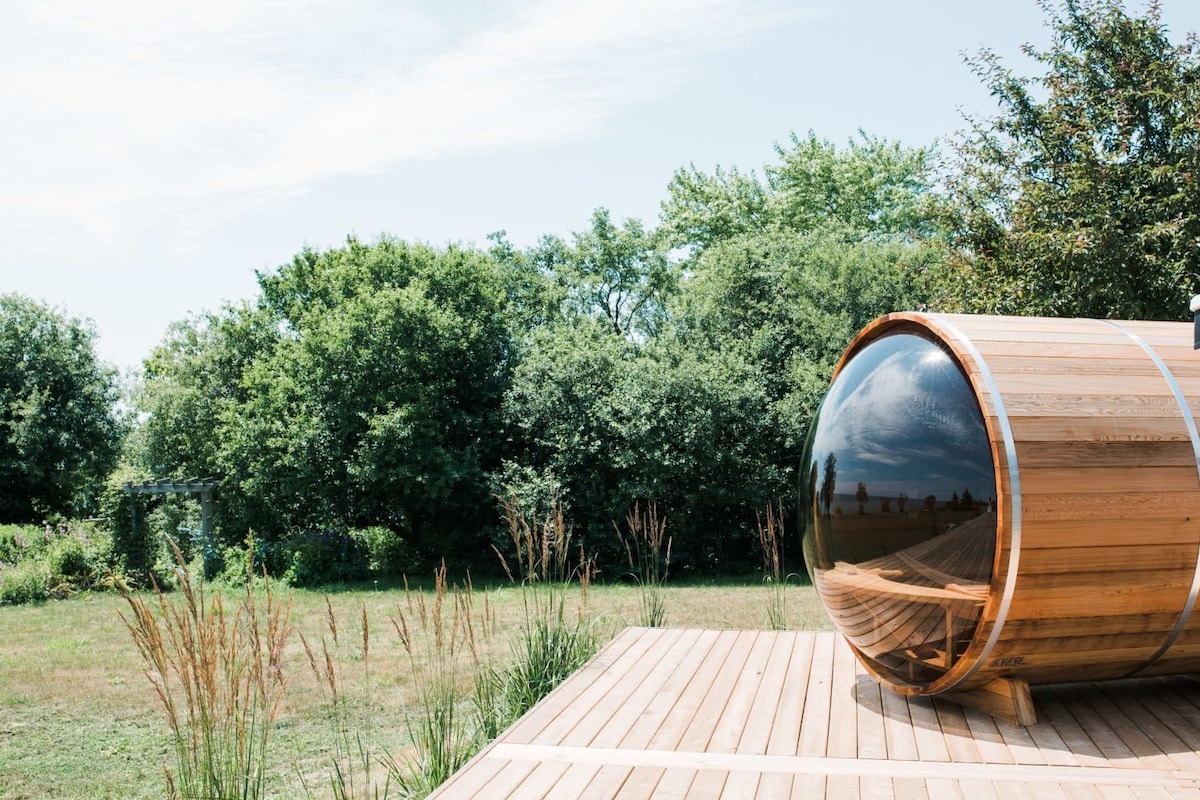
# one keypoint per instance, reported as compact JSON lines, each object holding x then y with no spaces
{"x":78,"y":719}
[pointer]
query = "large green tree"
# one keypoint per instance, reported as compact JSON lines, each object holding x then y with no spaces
{"x":59,"y":431}
{"x":362,"y":388}
{"x":781,"y":272}
{"x":614,"y":422}
{"x":1082,"y":195}
{"x":788,"y":303}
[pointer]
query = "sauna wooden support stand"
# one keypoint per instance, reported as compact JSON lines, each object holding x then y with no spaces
{"x":1007,"y":699}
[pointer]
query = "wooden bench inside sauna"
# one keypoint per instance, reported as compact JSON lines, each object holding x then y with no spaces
{"x":994,"y":503}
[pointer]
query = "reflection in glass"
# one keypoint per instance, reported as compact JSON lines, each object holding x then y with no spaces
{"x":899,"y":492}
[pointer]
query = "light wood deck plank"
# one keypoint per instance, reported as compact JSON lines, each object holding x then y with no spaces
{"x":641,"y":783}
{"x":957,"y":734}
{"x":898,"y":727}
{"x":943,"y":789}
{"x":622,"y":699}
{"x":985,"y":732}
{"x":785,"y":733}
{"x":1157,"y":746}
{"x":1046,"y":791}
{"x":741,"y":786}
{"x":501,"y":785}
{"x":700,"y":728}
{"x":1078,"y":791}
{"x":676,"y":714}
{"x":674,"y":784}
{"x":872,"y":736}
{"x":604,"y":784}
{"x":843,"y":708}
{"x":686,"y":709}
{"x":931,"y":744}
{"x":575,"y":780}
{"x":776,"y":786}
{"x":539,"y":782}
{"x":760,"y":723}
{"x":736,"y":715}
{"x":707,"y":785}
{"x":815,"y":723}
{"x":639,"y":715}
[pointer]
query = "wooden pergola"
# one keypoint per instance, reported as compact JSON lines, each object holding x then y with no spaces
{"x":203,"y":487}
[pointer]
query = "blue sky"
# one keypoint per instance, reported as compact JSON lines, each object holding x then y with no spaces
{"x":156,"y":154}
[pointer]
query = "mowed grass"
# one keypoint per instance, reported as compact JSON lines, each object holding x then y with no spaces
{"x":78,"y":719}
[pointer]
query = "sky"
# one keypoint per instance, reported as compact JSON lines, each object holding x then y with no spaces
{"x":156,"y":155}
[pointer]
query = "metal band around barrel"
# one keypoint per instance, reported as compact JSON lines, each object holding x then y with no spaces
{"x":1188,"y":420}
{"x":1014,"y":491}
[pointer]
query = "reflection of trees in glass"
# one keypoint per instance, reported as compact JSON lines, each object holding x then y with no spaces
{"x":953,"y":506}
{"x":829,"y":482}
{"x":862,"y":497}
{"x":968,"y":502}
{"x":930,"y":502}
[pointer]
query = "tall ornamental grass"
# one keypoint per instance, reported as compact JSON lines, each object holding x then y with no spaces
{"x":551,"y":642}
{"x":442,"y":640}
{"x":356,"y":771}
{"x":218,"y":675}
{"x":648,"y":550}
{"x":770,"y":538}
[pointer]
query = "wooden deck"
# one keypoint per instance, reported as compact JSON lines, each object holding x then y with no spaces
{"x":670,"y":713}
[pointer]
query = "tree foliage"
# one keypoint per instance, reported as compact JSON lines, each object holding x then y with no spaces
{"x":616,"y":273}
{"x":59,"y":431}
{"x":871,"y":187}
{"x":1082,"y":196}
{"x":363,"y":388}
{"x":400,"y":386}
{"x":789,"y":303}
{"x":783,"y":272}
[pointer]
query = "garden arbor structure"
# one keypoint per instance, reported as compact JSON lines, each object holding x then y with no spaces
{"x":203,"y":487}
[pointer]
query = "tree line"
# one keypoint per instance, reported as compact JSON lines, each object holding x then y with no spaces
{"x":400,"y":387}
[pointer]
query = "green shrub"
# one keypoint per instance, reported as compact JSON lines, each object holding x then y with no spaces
{"x":552,"y":643}
{"x":38,"y":562}
{"x":15,"y":542}
{"x":388,"y":553}
{"x":67,"y":558}
{"x":133,"y":553}
{"x":25,"y":582}
{"x":323,"y":557}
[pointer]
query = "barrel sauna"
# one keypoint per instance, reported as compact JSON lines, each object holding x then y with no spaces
{"x":994,"y":502}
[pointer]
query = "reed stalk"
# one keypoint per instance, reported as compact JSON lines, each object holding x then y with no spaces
{"x":443,"y":641}
{"x":356,"y":770}
{"x":218,"y":675}
{"x":770,"y":538}
{"x":649,"y":561}
{"x":551,"y":643}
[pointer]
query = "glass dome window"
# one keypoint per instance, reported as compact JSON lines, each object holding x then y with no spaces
{"x":899,"y":498}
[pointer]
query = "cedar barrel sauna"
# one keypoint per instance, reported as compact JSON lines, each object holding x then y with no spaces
{"x":994,"y":502}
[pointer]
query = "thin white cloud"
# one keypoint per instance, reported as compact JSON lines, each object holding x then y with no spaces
{"x":122,"y":115}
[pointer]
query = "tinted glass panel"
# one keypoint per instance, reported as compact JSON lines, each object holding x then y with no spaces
{"x":900,"y":495}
